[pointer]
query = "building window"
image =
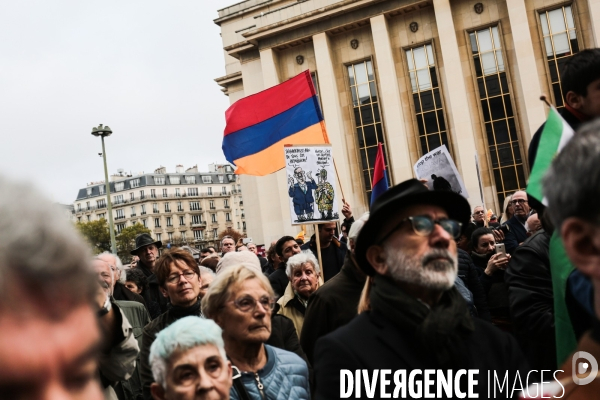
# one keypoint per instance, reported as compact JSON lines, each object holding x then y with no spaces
{"x":190,"y":179}
{"x":220,"y":179}
{"x":119,"y":228}
{"x":78,"y":219}
{"x":206,"y":179}
{"x":183,"y":235}
{"x":170,"y":235}
{"x":142,"y":197}
{"x":560,"y":43}
{"x":211,"y":204}
{"x":226,"y":203}
{"x":118,"y":199}
{"x":198,"y":235}
{"x":224,"y":190}
{"x":215,"y":233}
{"x":164,"y":192}
{"x":197,"y":219}
{"x":132,"y":211}
{"x":209,"y":191}
{"x":195,"y":206}
{"x":498,"y":115}
{"x":120,"y":214}
{"x":238,"y":224}
{"x":157,"y":222}
{"x":174,"y":179}
{"x":158,"y":237}
{"x":155,"y":209}
{"x":167,"y":207}
{"x":227,"y":217}
{"x":179,"y":206}
{"x":101,"y":188}
{"x":89,"y":191}
{"x":213,"y":217}
{"x":145,"y":223}
{"x":192,"y":191}
{"x":119,"y":186}
{"x":159,"y":180}
{"x":244,"y":225}
{"x":177,"y":192}
{"x":367,"y":117}
{"x":431,"y":123}
{"x":181,"y":221}
{"x":169,"y":221}
{"x":143,"y":210}
{"x":152,"y":193}
{"x":101,"y":216}
{"x":134,"y":183}
{"x":89,"y":218}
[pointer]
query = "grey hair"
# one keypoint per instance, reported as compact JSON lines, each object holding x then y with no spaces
{"x":206,"y":270}
{"x":123,"y":276}
{"x":41,"y":250}
{"x":300,"y":259}
{"x":572,"y":183}
{"x":357,"y":226}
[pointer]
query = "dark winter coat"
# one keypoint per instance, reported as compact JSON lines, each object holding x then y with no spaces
{"x":153,"y":296}
{"x":279,"y":280}
{"x":121,"y":293}
{"x":470,"y":276}
{"x":531,"y":300}
{"x":371,"y":341}
{"x":329,"y":271}
{"x":333,"y":305}
{"x":516,"y":235}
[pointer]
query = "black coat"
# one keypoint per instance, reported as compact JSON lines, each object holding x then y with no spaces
{"x":279,"y":280}
{"x":329,"y":271}
{"x":120,"y":292}
{"x":531,"y":300}
{"x":470,"y":276}
{"x":516,"y":235}
{"x":283,"y":334}
{"x":153,"y":296}
{"x":371,"y":341}
{"x":333,"y":305}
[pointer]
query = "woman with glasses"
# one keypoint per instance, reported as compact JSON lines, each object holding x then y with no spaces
{"x":240,"y":301}
{"x":179,"y":280}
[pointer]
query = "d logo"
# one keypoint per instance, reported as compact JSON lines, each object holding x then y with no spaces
{"x":583,"y":363}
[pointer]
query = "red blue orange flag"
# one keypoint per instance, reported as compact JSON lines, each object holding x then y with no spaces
{"x":258,"y":126}
{"x":380,"y":180}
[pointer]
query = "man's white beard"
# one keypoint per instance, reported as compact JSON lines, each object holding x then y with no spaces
{"x":429,"y":271}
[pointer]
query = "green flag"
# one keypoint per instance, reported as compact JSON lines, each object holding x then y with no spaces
{"x":556,"y":134}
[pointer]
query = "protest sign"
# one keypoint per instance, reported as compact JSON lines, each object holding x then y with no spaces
{"x":311,"y":184}
{"x":440,"y":171}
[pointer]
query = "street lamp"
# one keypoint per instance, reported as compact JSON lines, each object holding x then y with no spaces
{"x":103,"y":131}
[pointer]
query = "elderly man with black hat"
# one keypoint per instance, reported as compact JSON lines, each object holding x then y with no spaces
{"x":147,"y":251}
{"x":418,"y":321}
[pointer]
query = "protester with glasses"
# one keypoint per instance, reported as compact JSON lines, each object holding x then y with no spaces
{"x":517,"y":232}
{"x":179,"y":280}
{"x":418,"y":319}
{"x":240,"y":301}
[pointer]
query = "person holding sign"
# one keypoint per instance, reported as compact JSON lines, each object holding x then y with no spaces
{"x":301,"y":193}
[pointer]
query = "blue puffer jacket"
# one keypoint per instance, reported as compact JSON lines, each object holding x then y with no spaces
{"x":285,"y":376}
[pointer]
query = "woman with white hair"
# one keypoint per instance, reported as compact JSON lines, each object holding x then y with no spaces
{"x":188,"y":362}
{"x":240,"y":301}
{"x":305,"y":278}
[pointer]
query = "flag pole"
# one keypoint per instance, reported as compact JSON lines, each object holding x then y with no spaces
{"x":318,"y":246}
{"x":339,"y":180}
{"x":545,"y":100}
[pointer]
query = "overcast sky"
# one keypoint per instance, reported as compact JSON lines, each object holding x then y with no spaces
{"x":145,"y":68}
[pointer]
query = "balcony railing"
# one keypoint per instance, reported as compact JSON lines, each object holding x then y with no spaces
{"x":119,"y":217}
{"x":198,"y":224}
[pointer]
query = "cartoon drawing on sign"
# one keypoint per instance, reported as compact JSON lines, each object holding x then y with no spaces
{"x":301,"y":193}
{"x":312,"y":200}
{"x":325,"y":195}
{"x":438,"y":168}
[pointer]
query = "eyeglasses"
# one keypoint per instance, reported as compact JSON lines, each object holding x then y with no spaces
{"x":174,"y":278}
{"x":248,"y":303}
{"x":423,"y":226}
{"x":479,"y":212}
{"x":518,"y":201}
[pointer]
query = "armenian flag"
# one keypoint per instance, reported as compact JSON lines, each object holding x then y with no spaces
{"x":258,"y":126}
{"x":380,"y":180}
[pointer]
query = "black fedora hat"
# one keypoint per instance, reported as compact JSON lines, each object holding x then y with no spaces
{"x":407,"y":193}
{"x":144,"y":239}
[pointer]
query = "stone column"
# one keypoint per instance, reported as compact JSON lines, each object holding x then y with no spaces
{"x":458,"y":106}
{"x":594,"y":8}
{"x":389,"y":94}
{"x":533,"y":109}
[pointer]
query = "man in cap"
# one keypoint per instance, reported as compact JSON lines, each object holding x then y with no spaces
{"x":418,"y":320}
{"x":147,"y":250}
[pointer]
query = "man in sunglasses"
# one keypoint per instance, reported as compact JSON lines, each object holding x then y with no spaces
{"x":417,"y":320}
{"x":517,"y":233}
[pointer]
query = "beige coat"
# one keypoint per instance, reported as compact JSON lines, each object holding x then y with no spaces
{"x":288,"y":310}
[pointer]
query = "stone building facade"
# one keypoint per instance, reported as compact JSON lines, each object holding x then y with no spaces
{"x":182,"y":207}
{"x":412,"y":75}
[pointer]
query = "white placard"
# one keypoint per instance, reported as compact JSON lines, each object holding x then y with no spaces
{"x":440,"y":171}
{"x":312,"y":188}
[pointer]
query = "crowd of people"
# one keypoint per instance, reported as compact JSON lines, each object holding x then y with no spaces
{"x":421,"y":282}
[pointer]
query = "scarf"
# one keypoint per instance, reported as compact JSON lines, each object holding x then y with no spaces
{"x":441,"y":329}
{"x":179,"y":312}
